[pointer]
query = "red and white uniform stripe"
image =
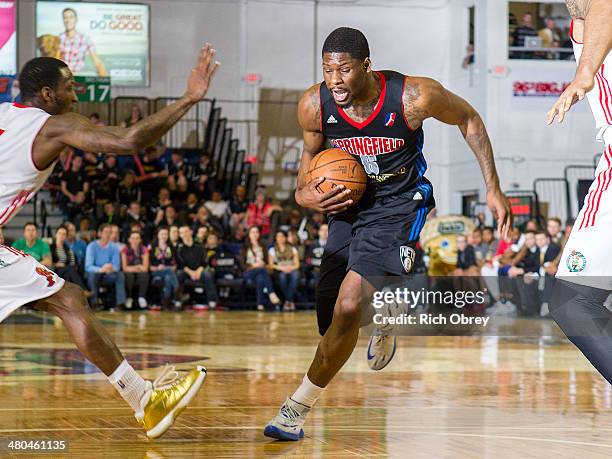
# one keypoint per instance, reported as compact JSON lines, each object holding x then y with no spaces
{"x":19,"y":177}
{"x":22,"y":278}
{"x":585,"y":259}
{"x":600,"y":98}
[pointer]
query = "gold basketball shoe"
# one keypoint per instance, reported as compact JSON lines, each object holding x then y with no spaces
{"x":169,"y":395}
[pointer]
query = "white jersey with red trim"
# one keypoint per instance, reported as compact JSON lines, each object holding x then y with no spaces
{"x":20,"y":179}
{"x":600,"y":97}
{"x":586,"y":255}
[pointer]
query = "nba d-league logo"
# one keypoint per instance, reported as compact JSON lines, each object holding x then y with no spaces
{"x":407,"y":256}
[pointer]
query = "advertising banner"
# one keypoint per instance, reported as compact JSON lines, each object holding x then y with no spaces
{"x":97,"y":39}
{"x":8,"y":37}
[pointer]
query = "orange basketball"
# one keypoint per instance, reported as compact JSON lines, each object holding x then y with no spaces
{"x":339,"y":168}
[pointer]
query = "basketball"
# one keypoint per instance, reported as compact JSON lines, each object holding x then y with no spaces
{"x":339,"y":168}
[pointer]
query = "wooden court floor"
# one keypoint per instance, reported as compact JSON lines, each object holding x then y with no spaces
{"x":442,"y":397}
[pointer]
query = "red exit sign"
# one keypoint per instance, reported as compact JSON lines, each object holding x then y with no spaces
{"x":252,"y":78}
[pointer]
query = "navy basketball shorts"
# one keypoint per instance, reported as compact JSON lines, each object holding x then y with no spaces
{"x":385,"y":234}
{"x":378,"y":242}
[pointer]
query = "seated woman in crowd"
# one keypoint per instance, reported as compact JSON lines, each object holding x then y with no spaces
{"x":64,"y":261}
{"x":254,"y":258}
{"x":135,"y":265}
{"x":163,"y":266}
{"x":284,"y":261}
{"x":258,"y":213}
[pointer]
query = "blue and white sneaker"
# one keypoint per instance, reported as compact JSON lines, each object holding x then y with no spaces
{"x":381,"y":350}
{"x":288,"y":423}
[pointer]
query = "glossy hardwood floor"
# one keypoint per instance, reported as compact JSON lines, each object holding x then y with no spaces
{"x":442,"y":397}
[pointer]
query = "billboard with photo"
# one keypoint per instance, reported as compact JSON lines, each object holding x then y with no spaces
{"x":8,"y":37}
{"x":97,"y":39}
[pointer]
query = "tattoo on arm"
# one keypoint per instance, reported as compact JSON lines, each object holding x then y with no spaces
{"x":413,"y":112}
{"x":316,"y":105}
{"x":577,"y":8}
{"x":477,"y":138}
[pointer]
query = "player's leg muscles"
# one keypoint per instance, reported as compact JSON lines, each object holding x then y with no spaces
{"x":91,"y":338}
{"x":339,"y":341}
{"x":580,"y":312}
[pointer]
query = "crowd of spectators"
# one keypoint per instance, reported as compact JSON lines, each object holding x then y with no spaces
{"x":141,"y":232}
{"x":518,"y":271}
{"x":548,"y":36}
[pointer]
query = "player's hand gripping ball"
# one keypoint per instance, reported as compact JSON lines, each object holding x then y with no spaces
{"x":338,"y":168}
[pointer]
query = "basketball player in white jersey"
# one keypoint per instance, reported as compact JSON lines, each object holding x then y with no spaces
{"x":32,"y":136}
{"x":584,"y":277}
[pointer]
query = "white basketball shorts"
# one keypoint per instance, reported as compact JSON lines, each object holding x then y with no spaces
{"x":23,"y":280}
{"x":587,"y":256}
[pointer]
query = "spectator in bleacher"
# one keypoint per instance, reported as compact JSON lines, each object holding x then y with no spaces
{"x":110,"y":214}
{"x":204,"y":218}
{"x":488,"y":238}
{"x":178,"y":171}
{"x":295,"y":241}
{"x":216,"y":205}
{"x":527,"y":260}
{"x":190,"y":208}
{"x":550,"y":34}
{"x":191,"y":260}
{"x":163,"y":266}
{"x":91,"y":166}
{"x":553,"y":227}
{"x":254,"y":260}
{"x":547,"y":250}
{"x":86,"y":233}
{"x":213,"y":248}
{"x":135,"y":266}
{"x":64,"y":261}
{"x":128,"y":190}
{"x":80,"y":207}
{"x":108,"y":181}
{"x":203,"y":176}
{"x":72,"y":182}
{"x":467,"y":260}
{"x":61,"y":167}
{"x":284,"y":262}
{"x":238,"y":207}
{"x":103,"y":264}
{"x":33,"y":245}
{"x":173,"y":233}
{"x":116,"y":236}
{"x":163,"y":201}
{"x":259,"y":212}
{"x":134,"y":216}
{"x":314,"y":254}
{"x":202,"y":235}
{"x":480,"y":247}
{"x":135,"y":116}
{"x":152,"y":176}
{"x":523,"y":31}
{"x":77,"y":246}
{"x":167,"y":217}
{"x":532,"y":225}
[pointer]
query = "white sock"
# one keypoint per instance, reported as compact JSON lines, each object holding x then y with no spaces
{"x":308,"y":393}
{"x":131,"y":386}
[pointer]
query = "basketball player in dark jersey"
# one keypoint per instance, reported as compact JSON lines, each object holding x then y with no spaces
{"x":377,"y":117}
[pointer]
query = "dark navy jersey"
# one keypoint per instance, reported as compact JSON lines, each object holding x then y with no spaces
{"x":389,"y":150}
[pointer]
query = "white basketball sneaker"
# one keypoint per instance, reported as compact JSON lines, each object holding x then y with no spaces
{"x":381,"y":350}
{"x":288,"y":423}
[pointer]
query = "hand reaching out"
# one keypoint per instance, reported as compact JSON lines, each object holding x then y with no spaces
{"x":199,"y":80}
